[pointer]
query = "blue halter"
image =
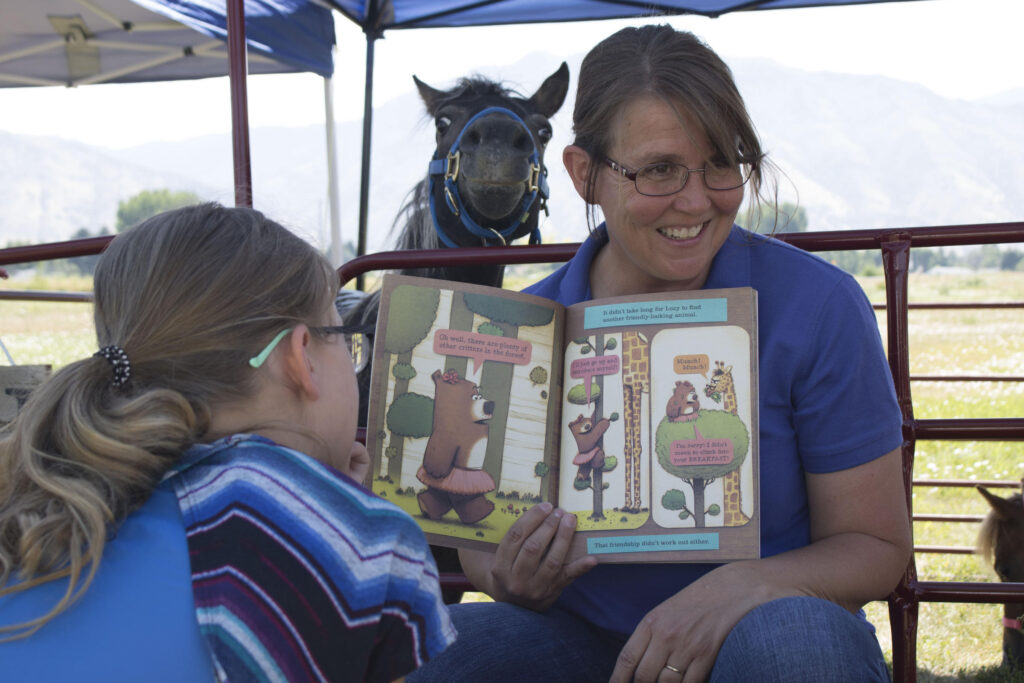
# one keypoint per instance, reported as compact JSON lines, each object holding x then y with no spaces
{"x":448,"y":168}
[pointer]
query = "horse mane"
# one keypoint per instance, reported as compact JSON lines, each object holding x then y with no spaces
{"x":414,"y":222}
{"x":989,"y":532}
{"x":476,"y":86}
{"x":986,"y":543}
{"x":415,"y":228}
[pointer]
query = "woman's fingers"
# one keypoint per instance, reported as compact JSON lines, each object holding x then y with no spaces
{"x":508,"y":549}
{"x":632,"y":654}
{"x":529,"y":567}
{"x":538,"y":546}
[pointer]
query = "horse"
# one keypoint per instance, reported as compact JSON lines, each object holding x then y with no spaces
{"x":1001,"y":543}
{"x":486,"y":185}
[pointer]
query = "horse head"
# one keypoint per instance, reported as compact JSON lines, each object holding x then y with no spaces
{"x":488,"y":180}
{"x":1001,"y":543}
{"x":1001,"y":540}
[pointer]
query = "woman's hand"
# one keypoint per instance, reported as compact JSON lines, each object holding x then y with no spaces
{"x":529,"y":566}
{"x":861,"y":542}
{"x":679,"y":639}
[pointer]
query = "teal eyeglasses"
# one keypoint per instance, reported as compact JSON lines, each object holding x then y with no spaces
{"x":357,"y":343}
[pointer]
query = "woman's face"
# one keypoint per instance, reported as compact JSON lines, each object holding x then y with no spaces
{"x":658,"y":243}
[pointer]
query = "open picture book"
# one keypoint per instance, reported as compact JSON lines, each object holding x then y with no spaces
{"x":637,"y":414}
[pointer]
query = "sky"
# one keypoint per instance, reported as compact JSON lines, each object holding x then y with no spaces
{"x":964,"y":49}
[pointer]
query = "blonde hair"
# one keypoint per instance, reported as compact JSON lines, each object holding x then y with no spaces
{"x":190,"y":295}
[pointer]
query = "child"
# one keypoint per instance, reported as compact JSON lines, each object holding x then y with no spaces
{"x":184,"y":505}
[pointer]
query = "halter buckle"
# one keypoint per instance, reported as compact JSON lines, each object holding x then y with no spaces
{"x":449,"y":199}
{"x":534,"y":181}
{"x":452,"y":160}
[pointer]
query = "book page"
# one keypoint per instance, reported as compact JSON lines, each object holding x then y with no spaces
{"x":659,"y":418}
{"x":462,"y":424}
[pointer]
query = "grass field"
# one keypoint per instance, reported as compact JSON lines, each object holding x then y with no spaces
{"x":956,"y":642}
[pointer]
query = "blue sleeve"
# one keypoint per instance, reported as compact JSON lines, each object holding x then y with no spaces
{"x":845,"y":411}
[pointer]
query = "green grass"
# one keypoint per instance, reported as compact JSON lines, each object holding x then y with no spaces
{"x":956,"y":642}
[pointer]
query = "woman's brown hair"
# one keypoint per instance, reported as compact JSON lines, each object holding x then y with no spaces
{"x":676,"y":66}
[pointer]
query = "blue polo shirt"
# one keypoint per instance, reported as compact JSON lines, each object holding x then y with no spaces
{"x":826,"y":403}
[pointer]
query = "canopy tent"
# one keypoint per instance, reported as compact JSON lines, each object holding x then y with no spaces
{"x":82,"y":42}
{"x":79,"y":42}
{"x":76,"y":42}
{"x":377,"y":16}
{"x":381,"y":15}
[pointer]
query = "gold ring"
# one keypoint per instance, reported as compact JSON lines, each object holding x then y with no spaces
{"x":672,"y":668}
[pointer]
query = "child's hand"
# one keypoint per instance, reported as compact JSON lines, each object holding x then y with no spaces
{"x":358,"y":462}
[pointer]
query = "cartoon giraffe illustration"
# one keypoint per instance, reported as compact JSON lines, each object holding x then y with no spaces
{"x":636,"y":379}
{"x":732,"y":499}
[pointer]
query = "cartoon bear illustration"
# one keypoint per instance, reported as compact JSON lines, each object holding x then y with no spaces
{"x":588,"y":435}
{"x":455,"y":451}
{"x":684,"y":404}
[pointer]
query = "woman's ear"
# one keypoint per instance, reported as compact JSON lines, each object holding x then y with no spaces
{"x":577,"y":163}
{"x":297,"y":362}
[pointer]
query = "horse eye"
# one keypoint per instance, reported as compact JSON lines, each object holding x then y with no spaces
{"x":442,"y":123}
{"x":544,"y":134}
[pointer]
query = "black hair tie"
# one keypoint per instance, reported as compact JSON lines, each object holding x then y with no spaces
{"x":117,"y":357}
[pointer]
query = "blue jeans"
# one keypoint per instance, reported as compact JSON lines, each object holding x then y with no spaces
{"x":792,"y":639}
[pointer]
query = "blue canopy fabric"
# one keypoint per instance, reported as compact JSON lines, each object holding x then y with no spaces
{"x":295,"y":32}
{"x":377,"y":16}
{"x":64,"y":42}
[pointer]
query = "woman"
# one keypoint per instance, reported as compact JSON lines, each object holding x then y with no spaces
{"x":184,"y":504}
{"x":665,"y":148}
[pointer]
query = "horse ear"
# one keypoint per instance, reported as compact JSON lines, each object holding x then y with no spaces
{"x":551,"y":94}
{"x":1003,"y":507}
{"x":430,"y":96}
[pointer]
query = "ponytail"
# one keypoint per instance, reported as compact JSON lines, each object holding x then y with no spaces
{"x":92,"y":442}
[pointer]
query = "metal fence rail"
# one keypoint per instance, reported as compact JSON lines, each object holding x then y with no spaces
{"x":895,"y":245}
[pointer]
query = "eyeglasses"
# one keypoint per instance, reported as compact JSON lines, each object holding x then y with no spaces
{"x":357,"y":343}
{"x":665,"y":178}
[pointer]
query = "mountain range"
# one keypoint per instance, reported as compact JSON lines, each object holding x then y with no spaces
{"x":854,"y":151}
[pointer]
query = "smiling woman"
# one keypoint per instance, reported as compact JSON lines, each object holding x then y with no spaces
{"x":662,"y":233}
{"x":661,"y":102}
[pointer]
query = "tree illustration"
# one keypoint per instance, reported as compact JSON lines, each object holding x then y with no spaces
{"x":409,"y":416}
{"x":496,"y":378}
{"x":710,"y":424}
{"x":577,"y":395}
{"x":410,"y":316}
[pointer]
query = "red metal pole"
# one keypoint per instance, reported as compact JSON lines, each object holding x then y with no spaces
{"x":237,"y":74}
{"x":903,"y":602}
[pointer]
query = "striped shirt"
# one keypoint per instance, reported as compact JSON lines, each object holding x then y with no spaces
{"x":301,"y":574}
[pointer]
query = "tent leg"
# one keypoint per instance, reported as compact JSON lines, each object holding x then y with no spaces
{"x":237,"y":73}
{"x":336,"y":253}
{"x":364,"y":188}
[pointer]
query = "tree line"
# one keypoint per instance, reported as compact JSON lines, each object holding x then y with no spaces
{"x":135,"y":209}
{"x":789,"y":218}
{"x":792,"y":218}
